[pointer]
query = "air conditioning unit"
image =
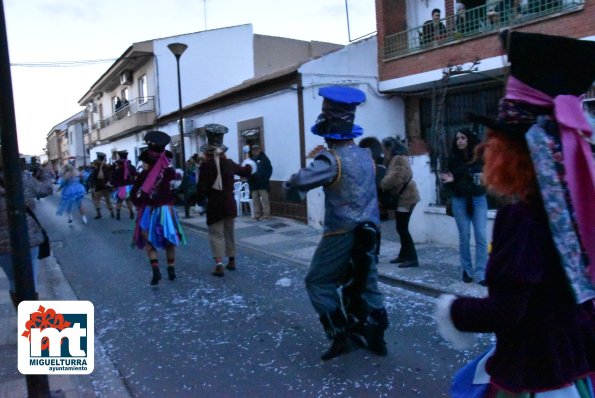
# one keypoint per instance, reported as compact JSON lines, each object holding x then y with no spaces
{"x":91,"y":107}
{"x":126,"y":77}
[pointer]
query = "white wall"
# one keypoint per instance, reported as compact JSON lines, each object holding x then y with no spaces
{"x":130,"y":144}
{"x":214,"y":61}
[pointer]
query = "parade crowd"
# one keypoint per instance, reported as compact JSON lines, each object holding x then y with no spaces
{"x":539,"y":273}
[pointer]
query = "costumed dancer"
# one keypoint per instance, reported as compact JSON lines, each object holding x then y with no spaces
{"x":122,"y":180}
{"x":101,"y":184}
{"x":73,"y":192}
{"x":215,"y":185}
{"x":349,"y":245}
{"x":540,"y":279}
{"x":157,"y":223}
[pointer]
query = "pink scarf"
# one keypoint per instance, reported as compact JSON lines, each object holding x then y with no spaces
{"x":578,"y":160}
{"x":161,"y":164}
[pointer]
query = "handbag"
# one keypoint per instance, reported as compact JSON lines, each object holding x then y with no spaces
{"x":44,"y":248}
{"x":391,"y":201}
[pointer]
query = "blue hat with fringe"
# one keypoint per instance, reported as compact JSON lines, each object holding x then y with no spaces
{"x":338,"y":113}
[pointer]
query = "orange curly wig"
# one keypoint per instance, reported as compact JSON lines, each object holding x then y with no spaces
{"x":508,"y":169}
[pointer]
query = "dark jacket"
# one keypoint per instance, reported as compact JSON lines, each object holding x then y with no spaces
{"x":101,"y":184}
{"x":162,"y":193}
{"x":463,"y":184}
{"x":261,"y":179}
{"x":220,"y":204}
{"x":544,"y":340}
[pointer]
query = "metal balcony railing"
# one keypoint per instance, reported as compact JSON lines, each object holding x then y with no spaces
{"x":489,"y":18}
{"x":146,"y":104}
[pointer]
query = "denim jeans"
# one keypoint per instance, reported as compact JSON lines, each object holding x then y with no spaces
{"x":6,"y":264}
{"x":479,"y":219}
{"x":328,"y":270}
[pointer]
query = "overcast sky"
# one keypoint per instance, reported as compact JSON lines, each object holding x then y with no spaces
{"x":51,"y":31}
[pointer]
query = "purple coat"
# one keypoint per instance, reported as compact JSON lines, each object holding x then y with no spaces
{"x":544,"y":340}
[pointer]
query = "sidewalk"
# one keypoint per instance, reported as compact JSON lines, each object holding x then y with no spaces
{"x":280,"y":237}
{"x":439,"y":270}
{"x":52,"y":286}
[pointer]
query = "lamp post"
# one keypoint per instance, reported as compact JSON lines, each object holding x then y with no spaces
{"x":178,"y":49}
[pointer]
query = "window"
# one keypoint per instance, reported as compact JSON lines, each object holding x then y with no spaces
{"x":114,"y":102}
{"x":142,"y":89}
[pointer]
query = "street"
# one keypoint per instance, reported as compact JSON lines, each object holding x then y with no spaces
{"x":252,"y":333}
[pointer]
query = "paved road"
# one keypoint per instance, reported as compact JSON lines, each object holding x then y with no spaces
{"x":250,"y":334}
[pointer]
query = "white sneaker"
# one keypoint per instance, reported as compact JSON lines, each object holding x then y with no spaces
{"x":84,"y":219}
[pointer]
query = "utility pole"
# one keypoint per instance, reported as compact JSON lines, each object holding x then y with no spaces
{"x":37,"y":385}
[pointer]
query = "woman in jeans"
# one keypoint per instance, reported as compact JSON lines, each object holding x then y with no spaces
{"x":469,"y":203}
{"x":399,"y":181}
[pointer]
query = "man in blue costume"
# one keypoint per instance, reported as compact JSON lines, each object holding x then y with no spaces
{"x":347,"y":253}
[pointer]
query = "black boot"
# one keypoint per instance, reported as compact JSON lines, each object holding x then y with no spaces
{"x":156,"y":276}
{"x":171,"y":272}
{"x":131,"y":215}
{"x":376,"y":324}
{"x":118,"y":214}
{"x":335,"y":325}
{"x":98,"y":216}
{"x":111,"y":213}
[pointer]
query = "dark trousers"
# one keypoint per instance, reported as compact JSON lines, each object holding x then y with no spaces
{"x":407,"y":251}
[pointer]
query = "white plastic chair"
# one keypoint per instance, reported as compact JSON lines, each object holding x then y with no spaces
{"x":237,"y":188}
{"x":245,"y":198}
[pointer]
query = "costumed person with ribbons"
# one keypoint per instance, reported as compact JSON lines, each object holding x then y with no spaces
{"x":157,"y":222}
{"x":101,"y":184}
{"x":347,"y":253}
{"x":122,"y":180}
{"x":215,"y":185}
{"x":73,"y":192}
{"x":540,"y":273}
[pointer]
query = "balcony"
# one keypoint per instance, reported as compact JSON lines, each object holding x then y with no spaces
{"x":472,"y":23}
{"x":138,"y":114}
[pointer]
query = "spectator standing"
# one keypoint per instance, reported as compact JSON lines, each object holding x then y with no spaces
{"x":157,"y":225}
{"x":188,"y":186}
{"x":540,"y":301}
{"x":37,"y":185}
{"x":215,"y":185}
{"x":433,"y":29}
{"x":122,"y":180}
{"x":469,"y":203}
{"x":347,"y":252}
{"x":259,"y":183}
{"x":73,"y":193}
{"x":101,"y":184}
{"x":399,"y":182}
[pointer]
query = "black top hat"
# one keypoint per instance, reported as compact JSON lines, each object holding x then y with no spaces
{"x":101,"y":156}
{"x":123,"y":154}
{"x":214,"y":134}
{"x":554,"y":65}
{"x":157,"y":140}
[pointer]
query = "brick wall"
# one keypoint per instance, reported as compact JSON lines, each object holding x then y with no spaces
{"x":577,"y":24}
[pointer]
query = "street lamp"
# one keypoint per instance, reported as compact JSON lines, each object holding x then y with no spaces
{"x":178,"y":49}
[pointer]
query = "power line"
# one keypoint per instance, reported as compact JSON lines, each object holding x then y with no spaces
{"x":61,"y":64}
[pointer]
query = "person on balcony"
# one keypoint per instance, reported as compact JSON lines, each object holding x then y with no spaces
{"x":433,"y":30}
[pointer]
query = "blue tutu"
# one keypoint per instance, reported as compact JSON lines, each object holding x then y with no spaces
{"x":73,"y":193}
{"x":158,"y":226}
